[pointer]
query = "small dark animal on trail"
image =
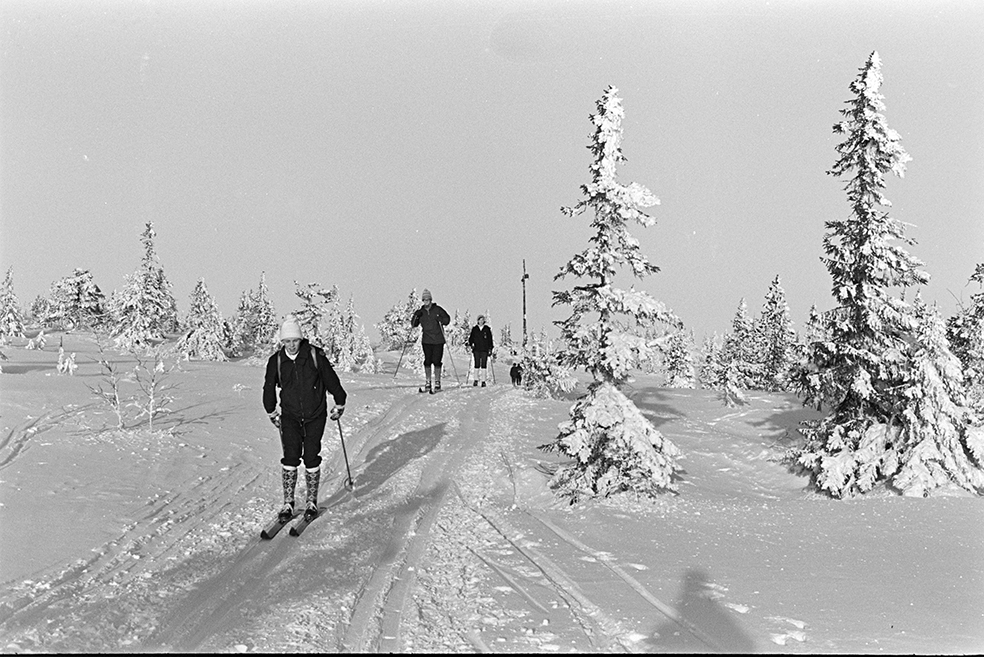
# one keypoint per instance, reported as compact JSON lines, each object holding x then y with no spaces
{"x":516,"y":374}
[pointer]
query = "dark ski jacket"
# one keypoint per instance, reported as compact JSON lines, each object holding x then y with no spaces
{"x":430,"y":322}
{"x":480,"y":339}
{"x":304,"y":385}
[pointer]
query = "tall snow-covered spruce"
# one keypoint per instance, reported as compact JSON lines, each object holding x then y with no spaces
{"x":145,"y":309}
{"x":613,"y":446}
{"x":890,"y":385}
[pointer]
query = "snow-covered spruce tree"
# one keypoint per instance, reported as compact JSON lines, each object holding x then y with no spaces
{"x":741,"y":354}
{"x":505,"y":339}
{"x":871,"y":370}
{"x":356,"y":349}
{"x":205,"y":338}
{"x":614,"y":447}
{"x":76,"y":301}
{"x":254,"y":327}
{"x":965,"y":332}
{"x":939,"y":440}
{"x":336,"y":330}
{"x":314,"y":315}
{"x":11,"y":317}
{"x":145,"y":309}
{"x":394,"y":328}
{"x":680,"y":369}
{"x":711,"y":374}
{"x":778,"y":339}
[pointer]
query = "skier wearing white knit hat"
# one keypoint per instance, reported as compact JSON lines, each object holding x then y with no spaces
{"x":431,"y":319}
{"x":305,"y":378}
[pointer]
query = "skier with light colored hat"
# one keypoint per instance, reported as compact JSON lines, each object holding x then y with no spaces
{"x":431,"y":319}
{"x":305,"y":378}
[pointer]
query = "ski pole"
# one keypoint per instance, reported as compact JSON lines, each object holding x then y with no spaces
{"x":349,"y":483}
{"x":453,"y":367}
{"x":405,"y":345}
{"x":448,"y":344}
{"x":492,"y":366}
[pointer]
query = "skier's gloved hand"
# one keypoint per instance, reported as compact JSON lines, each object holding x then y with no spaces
{"x":336,"y":412}
{"x":275,"y":418}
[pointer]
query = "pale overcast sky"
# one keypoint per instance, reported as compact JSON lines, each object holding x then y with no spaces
{"x":384,"y":146}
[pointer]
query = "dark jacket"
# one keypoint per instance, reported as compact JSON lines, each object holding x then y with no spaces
{"x":430,"y":322}
{"x":480,"y":339}
{"x":303,"y":385}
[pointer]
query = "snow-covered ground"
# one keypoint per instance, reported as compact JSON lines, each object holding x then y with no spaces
{"x":450,"y":541}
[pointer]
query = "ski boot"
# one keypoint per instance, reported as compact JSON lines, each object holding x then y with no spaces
{"x":313,"y":479}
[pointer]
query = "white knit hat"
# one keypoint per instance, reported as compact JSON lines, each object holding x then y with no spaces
{"x":290,"y":329}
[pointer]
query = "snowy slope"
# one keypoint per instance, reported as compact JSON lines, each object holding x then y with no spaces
{"x":451,"y":541}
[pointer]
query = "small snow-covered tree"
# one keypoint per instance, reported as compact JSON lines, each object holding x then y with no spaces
{"x":318,"y":304}
{"x":145,"y":309}
{"x":965,"y":332}
{"x":940,"y":439}
{"x":254,"y":327}
{"x":355,"y":349}
{"x":543,"y":375}
{"x":613,"y":446}
{"x":11,"y":317}
{"x":680,"y":369}
{"x":881,"y":364}
{"x":778,"y":339}
{"x":205,"y":337}
{"x":394,"y":328}
{"x":333,"y":328}
{"x":741,"y":354}
{"x":711,"y":374}
{"x":76,"y":301}
{"x":505,"y":339}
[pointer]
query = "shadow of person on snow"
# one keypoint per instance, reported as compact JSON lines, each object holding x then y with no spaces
{"x":716,"y":629}
{"x":385,"y":459}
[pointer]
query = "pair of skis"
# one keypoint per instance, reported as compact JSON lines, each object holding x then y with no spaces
{"x":274,"y":527}
{"x":278,"y":523}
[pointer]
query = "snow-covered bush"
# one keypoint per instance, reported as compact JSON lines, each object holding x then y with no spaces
{"x":883,"y":369}
{"x":543,"y":375}
{"x":205,"y":338}
{"x":614,"y":447}
{"x":38,"y":341}
{"x":66,"y":363}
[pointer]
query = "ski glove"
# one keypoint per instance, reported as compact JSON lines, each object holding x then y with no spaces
{"x":336,"y":412}
{"x":275,"y":418}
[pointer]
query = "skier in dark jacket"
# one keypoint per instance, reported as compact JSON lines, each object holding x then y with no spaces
{"x":305,"y":378}
{"x":431,"y":319}
{"x":480,"y":343}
